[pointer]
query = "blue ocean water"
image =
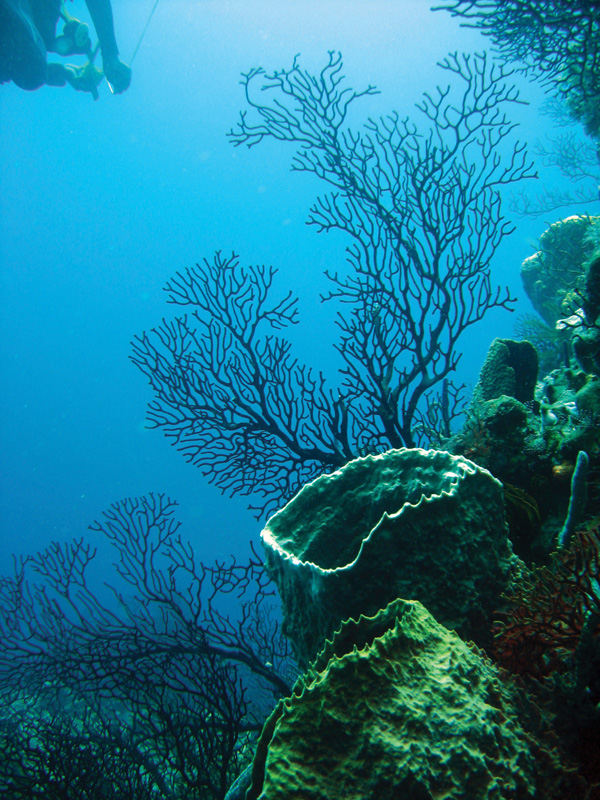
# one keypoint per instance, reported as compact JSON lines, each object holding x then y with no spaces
{"x":103,"y":201}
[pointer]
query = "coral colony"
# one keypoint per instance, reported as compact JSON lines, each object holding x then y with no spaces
{"x":422,"y":210}
{"x":423,"y":619}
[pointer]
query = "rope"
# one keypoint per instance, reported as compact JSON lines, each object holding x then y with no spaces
{"x":143,"y":33}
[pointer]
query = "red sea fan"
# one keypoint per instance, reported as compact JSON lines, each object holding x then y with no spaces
{"x":540,"y":632}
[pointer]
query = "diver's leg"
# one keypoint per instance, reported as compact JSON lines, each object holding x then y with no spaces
{"x":102,"y":17}
{"x":117,"y":73}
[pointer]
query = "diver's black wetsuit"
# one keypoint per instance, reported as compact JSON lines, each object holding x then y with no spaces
{"x":22,"y":48}
{"x":28,"y":33}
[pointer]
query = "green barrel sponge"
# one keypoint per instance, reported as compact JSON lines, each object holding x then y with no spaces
{"x":419,"y":524}
{"x":412,"y":713}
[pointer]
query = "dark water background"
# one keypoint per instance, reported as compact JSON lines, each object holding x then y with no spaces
{"x":101,"y":202}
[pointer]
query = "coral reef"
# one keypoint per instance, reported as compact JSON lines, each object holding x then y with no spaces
{"x":161,"y":691}
{"x":533,"y":447}
{"x":399,"y":707}
{"x":409,"y":523}
{"x":532,"y":442}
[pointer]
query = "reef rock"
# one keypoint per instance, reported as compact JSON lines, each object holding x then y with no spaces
{"x":399,"y":707}
{"x":411,"y":523}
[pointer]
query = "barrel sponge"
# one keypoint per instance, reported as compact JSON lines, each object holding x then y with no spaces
{"x":409,"y":712}
{"x":412,"y":523}
{"x":511,"y":369}
{"x":551,"y":274}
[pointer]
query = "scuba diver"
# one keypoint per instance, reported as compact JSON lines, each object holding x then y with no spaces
{"x":28,"y":34}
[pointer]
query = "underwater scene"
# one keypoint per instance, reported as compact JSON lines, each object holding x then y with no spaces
{"x":300,"y":430}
